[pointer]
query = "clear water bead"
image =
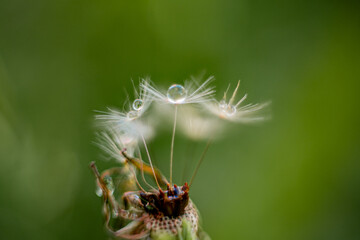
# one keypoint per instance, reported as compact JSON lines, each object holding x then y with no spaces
{"x":226,"y":108}
{"x":176,"y":94}
{"x":132,"y":115}
{"x":109,"y":184}
{"x":98,"y":191}
{"x":223,"y":105}
{"x":230,"y":110}
{"x":137,"y":104}
{"x":115,"y":213}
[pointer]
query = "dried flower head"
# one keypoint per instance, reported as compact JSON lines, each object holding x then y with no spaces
{"x":134,"y":208}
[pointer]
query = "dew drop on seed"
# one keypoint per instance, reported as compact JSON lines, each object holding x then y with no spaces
{"x":137,"y":104}
{"x":230,"y":110}
{"x":109,"y":184}
{"x":98,"y":191}
{"x":222,"y":105}
{"x":176,"y":94}
{"x":132,"y":114}
{"x":114,"y":213}
{"x":227,"y":109}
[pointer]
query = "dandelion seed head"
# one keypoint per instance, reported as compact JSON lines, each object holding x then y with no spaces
{"x":124,"y":135}
{"x":126,"y":129}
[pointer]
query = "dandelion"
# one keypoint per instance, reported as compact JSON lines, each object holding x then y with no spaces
{"x":165,"y":211}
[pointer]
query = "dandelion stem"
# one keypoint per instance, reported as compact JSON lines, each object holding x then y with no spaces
{"x":200,"y":161}
{"x":192,"y":146}
{"x":172,"y":145}
{"x":136,"y":180}
{"x":142,"y":170}
{"x":148,"y":154}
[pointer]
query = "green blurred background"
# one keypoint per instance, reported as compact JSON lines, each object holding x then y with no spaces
{"x":294,"y":177}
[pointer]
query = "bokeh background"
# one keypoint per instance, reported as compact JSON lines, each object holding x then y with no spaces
{"x":294,"y":177}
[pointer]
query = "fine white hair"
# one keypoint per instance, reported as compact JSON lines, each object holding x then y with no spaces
{"x":199,"y":116}
{"x":196,"y":93}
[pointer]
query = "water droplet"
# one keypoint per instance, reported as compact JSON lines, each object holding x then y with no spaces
{"x":176,"y":94}
{"x":132,"y":115}
{"x":98,"y":191}
{"x":137,"y":104}
{"x":109,"y":184}
{"x":223,"y":105}
{"x":114,"y":213}
{"x":226,"y":108}
{"x":230,"y":110}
